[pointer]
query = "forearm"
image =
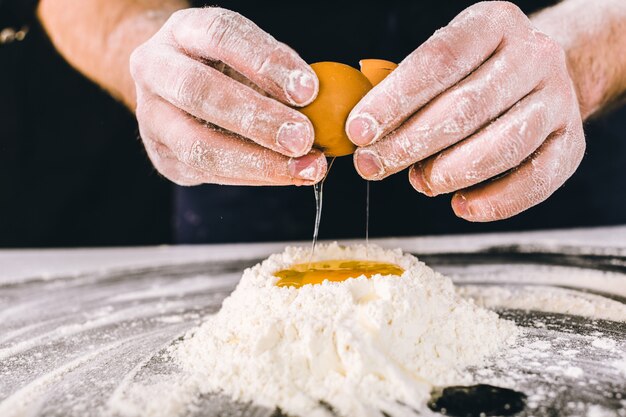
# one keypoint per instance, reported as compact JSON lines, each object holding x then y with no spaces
{"x":593,"y":35}
{"x":98,"y":36}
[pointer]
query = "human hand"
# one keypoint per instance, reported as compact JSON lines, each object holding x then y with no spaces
{"x":212,"y":95}
{"x":485,"y":108}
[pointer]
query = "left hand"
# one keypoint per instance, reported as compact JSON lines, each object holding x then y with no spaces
{"x":485,"y":108}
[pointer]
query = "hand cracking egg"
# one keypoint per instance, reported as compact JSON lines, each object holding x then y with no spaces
{"x":341,"y":88}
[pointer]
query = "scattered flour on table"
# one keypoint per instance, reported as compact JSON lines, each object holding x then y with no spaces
{"x":360,"y":346}
{"x":604,"y":343}
{"x":573,"y":372}
{"x":620,"y":366}
{"x":595,"y":410}
{"x":547,"y":299}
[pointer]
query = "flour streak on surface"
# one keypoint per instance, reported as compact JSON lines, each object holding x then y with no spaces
{"x":130,"y":306}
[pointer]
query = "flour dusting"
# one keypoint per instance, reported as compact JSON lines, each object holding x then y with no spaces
{"x":114,"y":351}
{"x":361,"y":346}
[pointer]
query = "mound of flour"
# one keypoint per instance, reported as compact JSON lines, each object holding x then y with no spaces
{"x":359,"y":347}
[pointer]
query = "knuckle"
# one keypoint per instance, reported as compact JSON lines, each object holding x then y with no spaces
{"x":198,"y":156}
{"x":183,"y":182}
{"x":179,"y":16}
{"x":548,"y":48}
{"x":159,"y":157}
{"x":492,"y":208}
{"x":578,"y":147}
{"x":520,"y":138}
{"x":503,"y":10}
{"x":252,"y":123}
{"x":540,"y":116}
{"x":568,"y":92}
{"x":181,"y":175}
{"x":145,"y":114}
{"x":137,"y":62}
{"x":510,"y":151}
{"x":156,"y":151}
{"x":536,"y":121}
{"x":221,"y":23}
{"x":142,"y":113}
{"x":401,"y":149}
{"x":541,"y":185}
{"x":501,"y":211}
{"x":470,"y":109}
{"x":509,"y":10}
{"x":178,"y":175}
{"x":188,"y":89}
{"x":220,"y":12}
{"x":441,"y":60}
{"x":581,"y":147}
{"x":441,"y":180}
{"x":279,"y":54}
{"x":555,"y":50}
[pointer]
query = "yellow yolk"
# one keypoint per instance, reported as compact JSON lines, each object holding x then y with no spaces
{"x":332,"y":270}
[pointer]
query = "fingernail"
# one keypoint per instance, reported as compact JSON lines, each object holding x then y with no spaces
{"x":362,"y":129}
{"x":368,"y":164}
{"x":294,"y":137}
{"x":418,"y":180}
{"x":301,"y":87}
{"x":307,"y":167}
{"x":460,"y":206}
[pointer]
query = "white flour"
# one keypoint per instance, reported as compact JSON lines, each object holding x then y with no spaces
{"x":359,"y":346}
{"x":111,"y":350}
{"x":538,"y":298}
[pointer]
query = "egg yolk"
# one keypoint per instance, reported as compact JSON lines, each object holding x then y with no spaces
{"x":332,"y":270}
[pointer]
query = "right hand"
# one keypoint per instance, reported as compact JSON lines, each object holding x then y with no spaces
{"x":213,"y":91}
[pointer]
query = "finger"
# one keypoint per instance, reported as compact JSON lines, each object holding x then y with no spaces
{"x":219,"y":34}
{"x":210,"y":95}
{"x":222,"y":157}
{"x":500,"y":146}
{"x":162,"y":158}
{"x":170,"y":167}
{"x":185,"y":175}
{"x":443,"y":60}
{"x":530,"y":184}
{"x":451,"y":117}
{"x":226,"y":70}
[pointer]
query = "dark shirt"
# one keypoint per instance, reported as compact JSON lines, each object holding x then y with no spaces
{"x":72,"y":171}
{"x":17,"y":14}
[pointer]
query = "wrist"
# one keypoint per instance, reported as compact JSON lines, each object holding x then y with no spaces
{"x":98,"y":36}
{"x":589,"y":36}
{"x":128,"y":34}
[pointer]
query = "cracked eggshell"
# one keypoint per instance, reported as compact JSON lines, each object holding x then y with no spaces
{"x":341,"y":88}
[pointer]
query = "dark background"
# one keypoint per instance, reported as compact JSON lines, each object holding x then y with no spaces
{"x":73,"y":171}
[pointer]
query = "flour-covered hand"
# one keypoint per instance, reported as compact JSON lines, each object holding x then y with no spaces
{"x":485,"y":108}
{"x":213,"y":97}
